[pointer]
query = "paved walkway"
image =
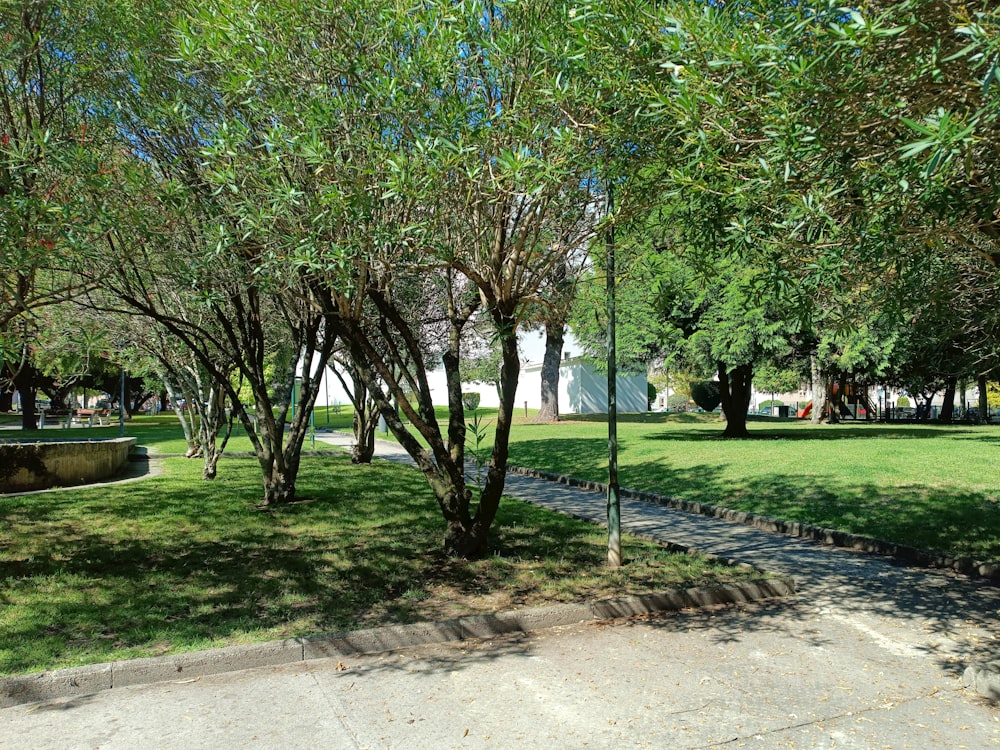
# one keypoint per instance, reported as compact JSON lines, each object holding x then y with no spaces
{"x":868,"y":654}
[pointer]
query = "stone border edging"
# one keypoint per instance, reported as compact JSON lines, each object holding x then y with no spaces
{"x":964,"y":565}
{"x":984,"y":679}
{"x":75,"y":681}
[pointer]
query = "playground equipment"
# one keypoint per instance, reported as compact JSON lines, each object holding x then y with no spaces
{"x":855,"y":404}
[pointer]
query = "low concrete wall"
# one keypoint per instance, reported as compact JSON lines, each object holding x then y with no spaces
{"x":39,"y":465}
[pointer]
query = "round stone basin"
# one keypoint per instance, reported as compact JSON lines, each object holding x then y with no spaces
{"x":39,"y":464}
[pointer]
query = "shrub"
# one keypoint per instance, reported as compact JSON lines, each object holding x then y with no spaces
{"x":470,"y":400}
{"x":705,"y":393}
{"x":678,"y":401}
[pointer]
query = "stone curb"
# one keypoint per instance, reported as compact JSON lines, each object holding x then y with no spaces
{"x":984,"y":679}
{"x":65,"y":683}
{"x":923,"y":558}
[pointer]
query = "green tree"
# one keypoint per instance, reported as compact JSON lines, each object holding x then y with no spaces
{"x":357,"y":157}
{"x":205,"y":208}
{"x":56,"y":73}
{"x":501,"y":173}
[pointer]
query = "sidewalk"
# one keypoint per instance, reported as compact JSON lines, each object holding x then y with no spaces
{"x":867,"y":655}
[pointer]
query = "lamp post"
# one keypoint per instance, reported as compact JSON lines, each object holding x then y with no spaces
{"x":614,"y":495}
{"x":326,"y":388}
{"x":121,"y":405}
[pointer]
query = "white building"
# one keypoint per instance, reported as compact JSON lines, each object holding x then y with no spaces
{"x":582,"y":388}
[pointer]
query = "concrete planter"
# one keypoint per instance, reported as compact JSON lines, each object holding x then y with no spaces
{"x":37,"y":465}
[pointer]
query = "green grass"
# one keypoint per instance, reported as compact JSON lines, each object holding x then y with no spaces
{"x":173,"y":563}
{"x":933,"y":487}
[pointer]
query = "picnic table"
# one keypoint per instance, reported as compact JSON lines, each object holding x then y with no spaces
{"x":87,"y":417}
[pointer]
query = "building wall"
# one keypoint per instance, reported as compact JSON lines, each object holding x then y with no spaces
{"x":584,"y":390}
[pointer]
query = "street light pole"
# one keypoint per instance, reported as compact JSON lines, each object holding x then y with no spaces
{"x":121,"y":406}
{"x":614,"y":495}
{"x":326,"y":388}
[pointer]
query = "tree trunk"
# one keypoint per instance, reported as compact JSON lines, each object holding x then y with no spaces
{"x":818,"y":386}
{"x":24,"y":382}
{"x":470,"y":539}
{"x":839,"y":397}
{"x":59,"y":398}
{"x":279,"y":487}
{"x":468,"y":542}
{"x":365,"y":420}
{"x":213,"y":420}
{"x":829,"y":403}
{"x":211,"y":467}
{"x":549,"y":410}
{"x":363,"y":450}
{"x":735,"y":390}
{"x":6,"y":388}
{"x":280,"y":467}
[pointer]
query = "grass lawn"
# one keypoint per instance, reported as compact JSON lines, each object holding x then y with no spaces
{"x":173,"y":563}
{"x":933,"y":487}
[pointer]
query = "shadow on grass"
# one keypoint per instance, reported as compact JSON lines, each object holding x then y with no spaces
{"x":155,"y":569}
{"x":175,"y":563}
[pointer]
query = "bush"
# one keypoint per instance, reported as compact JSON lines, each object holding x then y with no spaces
{"x":650,"y":394}
{"x":902,"y":401}
{"x":770,"y":403}
{"x":678,"y":402}
{"x":470,"y":400}
{"x":705,"y":393}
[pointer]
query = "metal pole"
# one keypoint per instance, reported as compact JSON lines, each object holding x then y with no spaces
{"x":121,"y":406}
{"x":326,"y":388}
{"x":614,"y":495}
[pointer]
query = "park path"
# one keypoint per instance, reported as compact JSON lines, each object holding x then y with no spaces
{"x":949,"y":620}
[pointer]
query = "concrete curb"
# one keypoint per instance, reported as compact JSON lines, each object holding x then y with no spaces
{"x":923,"y":558}
{"x":984,"y":679}
{"x":76,"y":681}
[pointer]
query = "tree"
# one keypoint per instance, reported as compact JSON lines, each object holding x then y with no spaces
{"x":56,"y":73}
{"x":300,"y":143}
{"x":49,"y":73}
{"x":197,"y":398}
{"x":198,"y":247}
{"x":556,"y":303}
{"x":491,"y":176}
{"x":823,"y":147}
